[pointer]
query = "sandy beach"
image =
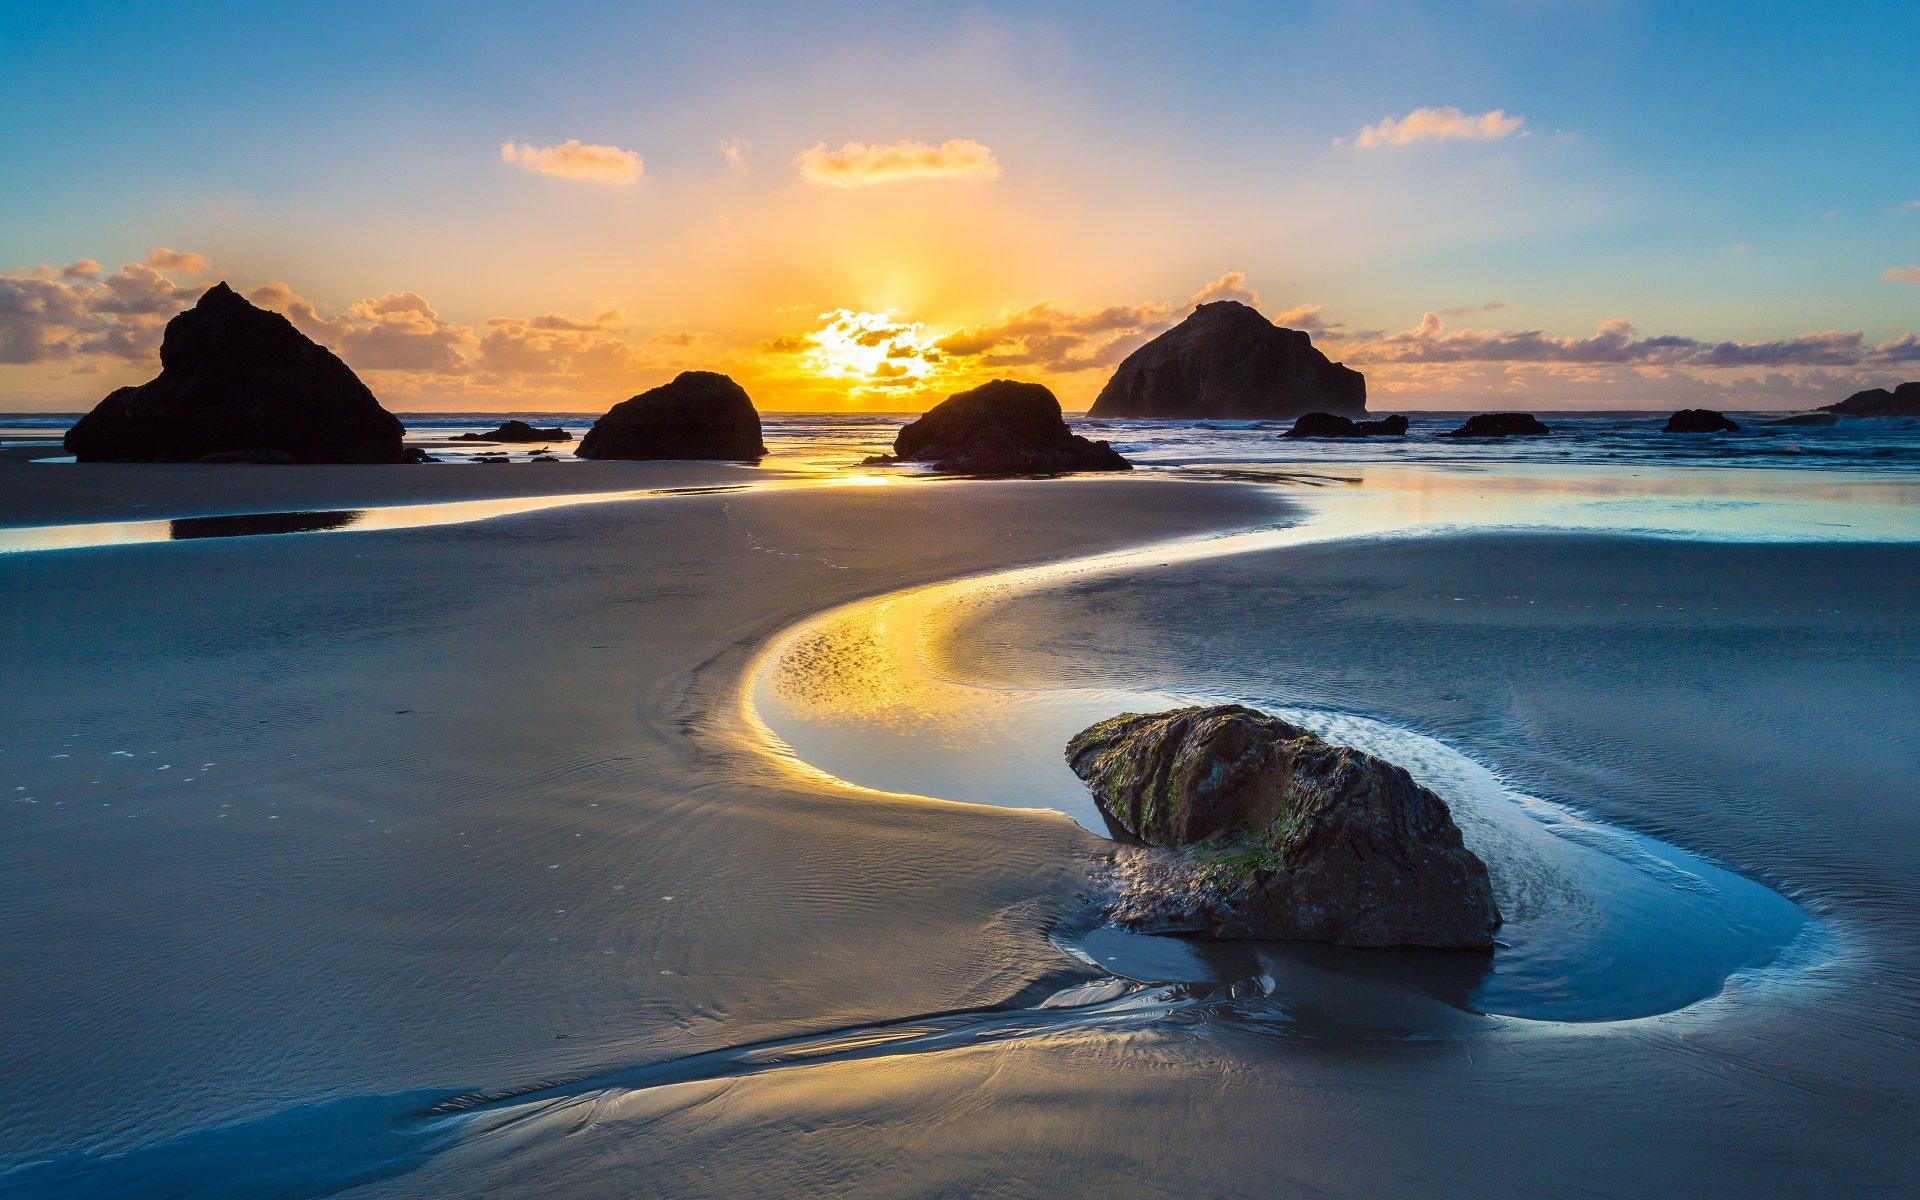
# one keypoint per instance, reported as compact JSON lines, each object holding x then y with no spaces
{"x":451,"y":860}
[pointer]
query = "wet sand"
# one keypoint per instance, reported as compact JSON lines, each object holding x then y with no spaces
{"x":356,"y":833}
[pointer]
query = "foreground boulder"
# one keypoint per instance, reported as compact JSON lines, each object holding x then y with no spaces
{"x":1498,"y":425}
{"x":1903,"y":401}
{"x":1280,"y":835}
{"x":701,"y":414}
{"x":1328,"y":425}
{"x":1226,"y":360}
{"x":1000,"y":428}
{"x":240,"y":384}
{"x":1699,"y":420}
{"x":516,"y":431}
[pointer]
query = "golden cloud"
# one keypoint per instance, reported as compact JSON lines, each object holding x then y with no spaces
{"x":857,"y":164}
{"x":181,"y":262}
{"x":1439,"y":125}
{"x":573,"y":160}
{"x":1907,"y":274}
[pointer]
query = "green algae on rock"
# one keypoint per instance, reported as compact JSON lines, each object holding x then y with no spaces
{"x":1278,"y":835}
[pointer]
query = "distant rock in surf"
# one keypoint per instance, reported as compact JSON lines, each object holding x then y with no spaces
{"x":1903,"y":401}
{"x":1498,"y":425}
{"x":1330,"y":425}
{"x":1819,"y":419}
{"x":516,"y":431}
{"x":236,"y":380}
{"x":1279,"y":835}
{"x":1226,"y":360}
{"x":1000,"y":428}
{"x":700,"y":415}
{"x":1699,"y":420}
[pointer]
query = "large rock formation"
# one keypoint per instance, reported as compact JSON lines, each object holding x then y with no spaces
{"x":1903,"y":401}
{"x":239,"y":383}
{"x":516,"y":431}
{"x":1000,"y":428}
{"x":1280,"y":835}
{"x":1328,"y":425}
{"x":1699,"y":420}
{"x":1226,"y":360}
{"x":1499,"y":425}
{"x":701,"y":414}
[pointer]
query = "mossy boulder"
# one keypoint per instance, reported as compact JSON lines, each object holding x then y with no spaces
{"x":1279,"y":835}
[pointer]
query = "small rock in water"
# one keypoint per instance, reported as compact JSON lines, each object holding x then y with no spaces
{"x":999,"y":428}
{"x":1699,"y":420}
{"x":1279,"y":835}
{"x":1498,"y":425}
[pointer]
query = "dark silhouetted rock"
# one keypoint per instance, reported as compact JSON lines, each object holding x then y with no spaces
{"x":1000,"y":428}
{"x":415,"y":454}
{"x":1328,"y":425}
{"x":1816,"y":419}
{"x":1699,"y":420}
{"x":701,"y":414}
{"x":516,"y":431}
{"x":1903,"y":401}
{"x":239,"y":379}
{"x":1278,"y":834}
{"x":1497,"y":425}
{"x":1226,"y":360}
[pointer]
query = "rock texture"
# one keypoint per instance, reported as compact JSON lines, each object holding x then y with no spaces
{"x":1700,"y":420}
{"x":701,"y":415}
{"x":1226,"y":360}
{"x":517,"y":431}
{"x":1497,"y":425}
{"x":240,"y":384}
{"x":1280,"y":835}
{"x":1000,"y":428}
{"x":1329,"y":425}
{"x":1903,"y":401}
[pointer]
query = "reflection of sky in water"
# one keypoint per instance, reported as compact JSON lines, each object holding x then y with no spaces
{"x":1603,"y":923}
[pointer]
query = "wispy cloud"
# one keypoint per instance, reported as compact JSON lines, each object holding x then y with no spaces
{"x":1614,"y":342}
{"x":734,"y":150}
{"x":1906,"y":207}
{"x":177,"y":262}
{"x":857,"y":164}
{"x":84,"y":268}
{"x":1438,"y":125}
{"x":1907,"y":274}
{"x":1231,"y":286}
{"x":572,"y":159}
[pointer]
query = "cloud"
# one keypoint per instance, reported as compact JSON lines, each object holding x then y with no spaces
{"x":1306,"y":317}
{"x":1614,"y":342}
{"x":181,"y":262}
{"x":1906,"y":206}
{"x":1907,"y":274}
{"x":734,"y":150}
{"x":857,"y":164}
{"x":1060,"y":337}
{"x":49,"y":316}
{"x":1231,"y":286}
{"x":572,"y":160}
{"x":84,"y":268}
{"x":1463,"y":309}
{"x":1438,"y":125}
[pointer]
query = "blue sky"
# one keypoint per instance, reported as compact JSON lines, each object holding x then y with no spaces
{"x":1720,"y":173}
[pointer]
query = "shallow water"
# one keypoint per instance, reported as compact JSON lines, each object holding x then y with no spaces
{"x":1603,"y":923}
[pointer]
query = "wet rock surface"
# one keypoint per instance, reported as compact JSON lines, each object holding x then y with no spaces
{"x":1227,"y":360}
{"x":240,"y":384}
{"x":1000,"y":428}
{"x":1276,"y":834}
{"x":1331,"y":425}
{"x":699,"y":415}
{"x":517,"y":431}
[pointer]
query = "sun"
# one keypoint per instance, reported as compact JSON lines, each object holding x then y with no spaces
{"x":871,"y":350}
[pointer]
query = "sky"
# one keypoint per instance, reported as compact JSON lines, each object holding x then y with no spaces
{"x":505,"y":207}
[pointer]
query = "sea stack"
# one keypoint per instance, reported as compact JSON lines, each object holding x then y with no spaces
{"x":1499,"y":425}
{"x":1700,"y":420}
{"x":1227,"y":361}
{"x":1277,"y":834}
{"x":1319,"y":425}
{"x":240,"y":384}
{"x":516,"y":431}
{"x":700,"y":415}
{"x":1000,"y":428}
{"x":1903,"y":401}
